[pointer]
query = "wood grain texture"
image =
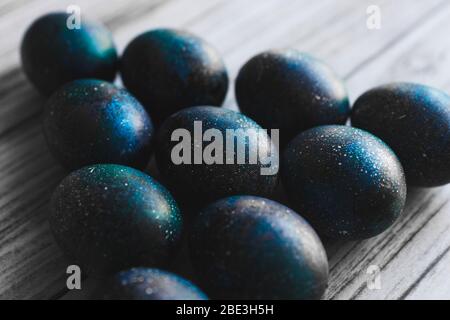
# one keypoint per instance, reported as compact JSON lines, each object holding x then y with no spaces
{"x":413,"y":256}
{"x":411,"y":253}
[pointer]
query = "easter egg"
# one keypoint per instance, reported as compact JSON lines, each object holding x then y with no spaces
{"x":92,"y":121}
{"x":55,"y":51}
{"x":414,"y":120}
{"x":107,"y":218}
{"x":168,"y":70}
{"x":207,"y":153}
{"x":346,"y":182}
{"x":246,"y":247}
{"x":291,"y":91}
{"x":147,"y":284}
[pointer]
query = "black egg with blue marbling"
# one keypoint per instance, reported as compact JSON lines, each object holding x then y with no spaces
{"x":147,"y":284}
{"x":92,"y":121}
{"x":108,"y":218}
{"x":168,"y":70}
{"x":291,"y":91}
{"x":346,"y":182}
{"x":54,"y":54}
{"x":414,"y":120}
{"x":246,"y":247}
{"x":221,"y":176}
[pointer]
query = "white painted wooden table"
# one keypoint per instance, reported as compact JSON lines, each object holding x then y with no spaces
{"x":412,"y":45}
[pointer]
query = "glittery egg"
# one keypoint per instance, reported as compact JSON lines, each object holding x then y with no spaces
{"x":109,"y":217}
{"x":92,"y":121}
{"x":246,"y":247}
{"x":199,"y":172}
{"x":168,"y":70}
{"x":414,"y":120}
{"x":54,"y":51}
{"x":147,"y":284}
{"x":346,"y":182}
{"x":291,"y":91}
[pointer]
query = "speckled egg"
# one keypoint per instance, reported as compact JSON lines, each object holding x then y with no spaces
{"x":54,"y":54}
{"x":147,"y":284}
{"x":195,"y":170}
{"x":92,"y":121}
{"x":168,"y":70}
{"x":109,"y":217}
{"x":291,"y":91}
{"x":414,"y":120}
{"x":246,"y":247}
{"x":346,"y":182}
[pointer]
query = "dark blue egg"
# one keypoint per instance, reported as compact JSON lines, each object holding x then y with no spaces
{"x":414,"y":120}
{"x":108,"y":218}
{"x":168,"y":70}
{"x":207,"y":180}
{"x":92,"y":121}
{"x":291,"y":91}
{"x":54,"y":54}
{"x":346,"y":182}
{"x":147,"y":284}
{"x":245,"y":247}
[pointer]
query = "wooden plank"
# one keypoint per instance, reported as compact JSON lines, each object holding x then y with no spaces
{"x":395,"y":252}
{"x":412,"y":255}
{"x":30,"y":263}
{"x":27,"y":250}
{"x":431,"y":285}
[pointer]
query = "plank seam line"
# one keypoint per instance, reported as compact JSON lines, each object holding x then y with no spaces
{"x":404,"y":244}
{"x":415,"y":25}
{"x":329,"y":21}
{"x":26,"y":121}
{"x":233,"y":48}
{"x":195,"y":19}
{"x":344,"y":256}
{"x":390,"y":236}
{"x":424,"y":274}
{"x":115,"y":21}
{"x":384,"y":242}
